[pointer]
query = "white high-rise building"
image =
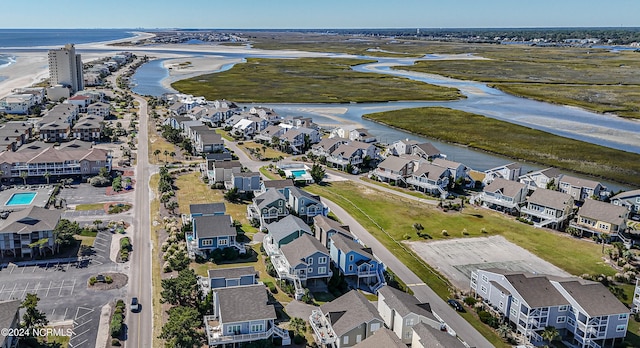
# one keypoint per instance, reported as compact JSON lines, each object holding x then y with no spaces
{"x":65,"y":68}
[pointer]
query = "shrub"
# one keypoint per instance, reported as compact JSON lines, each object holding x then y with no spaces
{"x":298,"y":339}
{"x":120,"y":304}
{"x":470,"y":301}
{"x":445,"y":233}
{"x":92,"y":281}
{"x":464,"y":232}
{"x":166,"y":268}
{"x":115,"y":342}
{"x":125,"y":244}
{"x":108,"y":279}
{"x":124,"y":255}
{"x":99,"y":181}
{"x":272,"y":287}
{"x":116,"y":325}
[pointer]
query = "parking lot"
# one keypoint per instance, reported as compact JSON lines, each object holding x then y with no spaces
{"x":458,"y":257}
{"x":62,"y":288}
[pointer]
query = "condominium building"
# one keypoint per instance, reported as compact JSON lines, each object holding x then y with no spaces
{"x":65,"y":68}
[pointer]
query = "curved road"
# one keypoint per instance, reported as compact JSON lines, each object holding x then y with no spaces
{"x":421,"y":291}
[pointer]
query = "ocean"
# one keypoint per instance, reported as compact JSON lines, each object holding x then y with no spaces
{"x":58,"y":37}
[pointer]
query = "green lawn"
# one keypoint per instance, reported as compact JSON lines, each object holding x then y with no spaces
{"x":309,"y":80}
{"x":371,"y":208}
{"x":267,"y":154}
{"x":514,"y":141}
{"x":90,"y":206}
{"x":396,"y":188}
{"x":224,"y":134}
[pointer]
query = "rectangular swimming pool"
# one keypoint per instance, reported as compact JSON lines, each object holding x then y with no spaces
{"x":21,"y":198}
{"x":298,"y":173}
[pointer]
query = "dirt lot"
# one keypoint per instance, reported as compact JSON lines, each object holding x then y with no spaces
{"x":457,"y":258}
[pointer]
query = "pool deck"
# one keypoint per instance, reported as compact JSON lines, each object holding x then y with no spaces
{"x":43,"y":192}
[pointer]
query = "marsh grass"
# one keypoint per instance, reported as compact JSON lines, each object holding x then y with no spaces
{"x":307,"y":80}
{"x":514,"y":141}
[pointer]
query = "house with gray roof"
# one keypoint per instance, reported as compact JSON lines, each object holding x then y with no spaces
{"x":383,"y":338}
{"x":510,"y":171}
{"x":401,"y":311}
{"x":424,"y":336}
{"x":268,"y":207}
{"x":394,"y":169}
{"x":242,"y":314}
{"x":356,"y":262}
{"x":548,"y":208}
{"x":345,"y":155}
{"x":426,"y":151}
{"x":279,"y":185}
{"x":457,"y":170}
{"x":628,"y":199}
{"x":208,"y":141}
{"x":504,"y":195}
{"x":286,"y":230}
{"x":324,"y":228}
{"x":211,"y":232}
{"x":178,"y":108}
{"x":345,"y":321}
{"x":429,"y":178}
{"x":244,"y":182}
{"x":583,"y":312}
{"x":228,"y":277}
{"x":580,"y":188}
{"x":21,"y":229}
{"x":221,"y":171}
{"x":89,"y":128}
{"x":596,"y":218}
{"x":401,"y":147}
{"x":326,"y":146}
{"x":268,"y":133}
{"x":541,"y":178}
{"x":9,"y":319}
{"x":304,"y":204}
{"x":206,"y":209}
{"x":307,"y":259}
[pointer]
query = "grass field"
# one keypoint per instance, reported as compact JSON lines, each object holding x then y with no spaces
{"x":191,"y":190}
{"x":370,"y":207}
{"x":305,"y":80}
{"x":268,"y":153}
{"x":90,"y":206}
{"x":517,"y":142}
{"x":157,"y":142}
{"x":156,"y":273}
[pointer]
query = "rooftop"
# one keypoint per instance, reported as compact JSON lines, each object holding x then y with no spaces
{"x":298,"y":250}
{"x":231,"y":273}
{"x":404,"y":303}
{"x":508,"y":188}
{"x":348,"y":311}
{"x":602,"y":211}
{"x":244,"y":303}
{"x":207,"y":208}
{"x":213,"y":226}
{"x":549,"y":198}
{"x":383,"y":338}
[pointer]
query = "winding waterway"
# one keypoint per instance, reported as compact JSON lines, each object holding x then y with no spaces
{"x":575,"y":123}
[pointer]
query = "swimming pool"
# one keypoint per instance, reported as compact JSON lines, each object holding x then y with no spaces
{"x":298,"y":173}
{"x":21,"y":198}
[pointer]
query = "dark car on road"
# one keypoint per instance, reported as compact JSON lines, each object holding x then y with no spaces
{"x":456,"y":305}
{"x":135,"y":305}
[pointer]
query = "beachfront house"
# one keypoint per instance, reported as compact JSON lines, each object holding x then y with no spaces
{"x":356,"y":262}
{"x":242,"y":314}
{"x":401,"y":311}
{"x":268,"y":207}
{"x":596,"y":218}
{"x":426,"y":151}
{"x":345,"y":321}
{"x":18,"y":104}
{"x":545,"y":178}
{"x":548,"y":208}
{"x":628,"y":199}
{"x":431,"y":179}
{"x":244,"y":182}
{"x":509,"y":171}
{"x":581,"y":189}
{"x":394,"y":169}
{"x":584,"y":312}
{"x":504,"y":195}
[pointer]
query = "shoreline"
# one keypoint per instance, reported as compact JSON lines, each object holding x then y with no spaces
{"x":563,"y":168}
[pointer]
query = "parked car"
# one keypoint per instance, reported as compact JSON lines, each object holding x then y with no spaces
{"x":135,"y":305}
{"x":456,"y":305}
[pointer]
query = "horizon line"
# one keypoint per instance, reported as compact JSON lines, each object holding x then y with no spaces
{"x":321,"y":28}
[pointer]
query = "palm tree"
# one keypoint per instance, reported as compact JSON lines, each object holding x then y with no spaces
{"x":549,"y":334}
{"x":172,"y":206}
{"x":97,"y":222}
{"x":504,"y":330}
{"x":24,"y":176}
{"x":156,"y":153}
{"x":172,"y":154}
{"x":166,"y":153}
{"x":47,"y":176}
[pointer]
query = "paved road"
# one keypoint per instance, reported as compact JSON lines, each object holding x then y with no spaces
{"x":140,"y":325}
{"x":420,"y":289}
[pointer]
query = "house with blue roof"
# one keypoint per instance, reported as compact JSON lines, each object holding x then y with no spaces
{"x":356,"y":262}
{"x":211,"y":232}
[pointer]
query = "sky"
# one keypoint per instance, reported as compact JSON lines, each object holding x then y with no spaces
{"x":314,"y":14}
